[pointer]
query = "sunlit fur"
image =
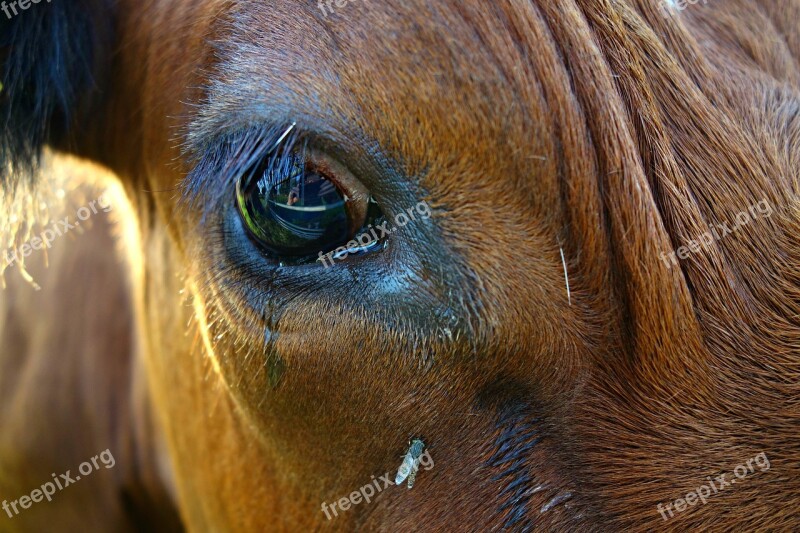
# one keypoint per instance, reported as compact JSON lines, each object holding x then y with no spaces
{"x":602,"y":128}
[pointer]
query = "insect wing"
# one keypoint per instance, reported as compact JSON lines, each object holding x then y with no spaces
{"x":405,"y":469}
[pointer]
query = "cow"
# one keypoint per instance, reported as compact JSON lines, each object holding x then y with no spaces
{"x":586,"y":319}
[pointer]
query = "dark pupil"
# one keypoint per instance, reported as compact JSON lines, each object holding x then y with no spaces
{"x":294,"y":211}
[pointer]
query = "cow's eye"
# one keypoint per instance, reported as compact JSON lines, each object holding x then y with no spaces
{"x":302,"y":203}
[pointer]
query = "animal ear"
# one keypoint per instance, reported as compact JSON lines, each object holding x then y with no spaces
{"x":53,"y":60}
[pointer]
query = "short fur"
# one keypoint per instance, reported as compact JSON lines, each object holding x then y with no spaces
{"x":602,"y":128}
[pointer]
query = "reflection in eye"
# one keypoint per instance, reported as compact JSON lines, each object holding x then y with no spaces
{"x":298,"y":203}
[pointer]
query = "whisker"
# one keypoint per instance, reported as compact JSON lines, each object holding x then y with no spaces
{"x":566,"y":276}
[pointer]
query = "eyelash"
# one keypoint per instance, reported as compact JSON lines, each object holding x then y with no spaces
{"x":221,"y":163}
{"x":282,"y":155}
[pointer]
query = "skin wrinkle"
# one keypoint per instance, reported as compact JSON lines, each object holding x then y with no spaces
{"x":599,"y":126}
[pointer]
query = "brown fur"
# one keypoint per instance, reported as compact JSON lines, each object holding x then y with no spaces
{"x":71,"y":382}
{"x":598,"y":127}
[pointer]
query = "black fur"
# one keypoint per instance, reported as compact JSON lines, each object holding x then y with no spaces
{"x":519,"y":434}
{"x":52,"y":59}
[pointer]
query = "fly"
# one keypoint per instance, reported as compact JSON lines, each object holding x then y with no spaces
{"x":410,"y":465}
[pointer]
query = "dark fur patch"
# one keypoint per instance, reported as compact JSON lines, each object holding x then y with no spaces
{"x":51,"y":60}
{"x":512,"y":449}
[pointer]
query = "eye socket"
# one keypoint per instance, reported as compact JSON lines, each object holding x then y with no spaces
{"x":299,"y":203}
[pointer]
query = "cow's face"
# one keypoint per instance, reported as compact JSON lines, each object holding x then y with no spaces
{"x":508,"y":307}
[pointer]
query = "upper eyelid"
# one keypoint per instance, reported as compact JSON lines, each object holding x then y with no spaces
{"x":221,"y":161}
{"x":212,"y":156}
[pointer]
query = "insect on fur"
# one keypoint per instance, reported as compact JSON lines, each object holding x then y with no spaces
{"x":410,"y":465}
